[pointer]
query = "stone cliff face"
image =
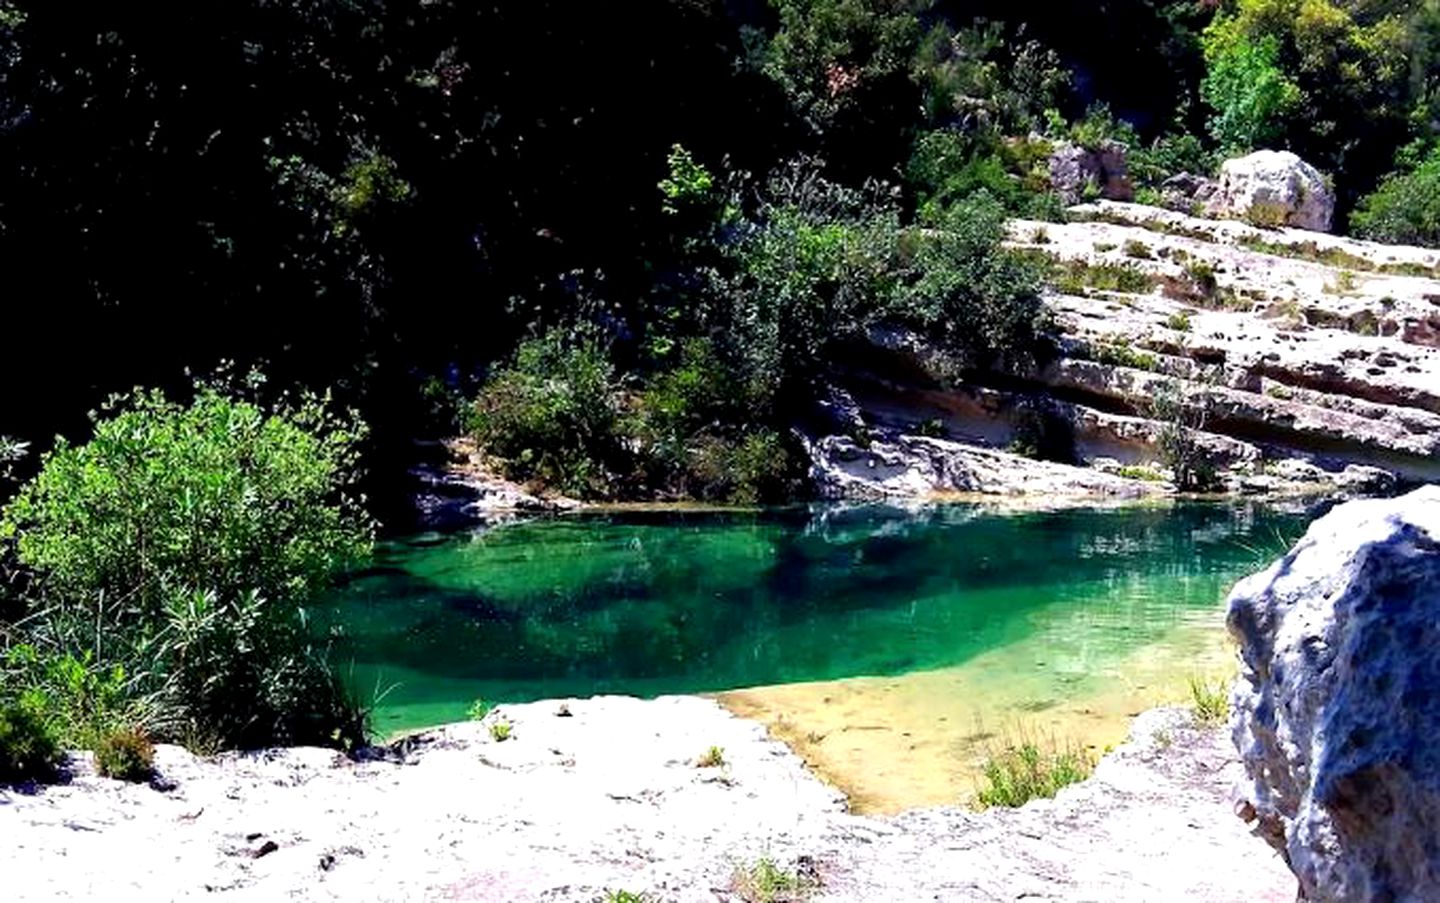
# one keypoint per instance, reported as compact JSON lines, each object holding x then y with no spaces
{"x":1316,"y":361}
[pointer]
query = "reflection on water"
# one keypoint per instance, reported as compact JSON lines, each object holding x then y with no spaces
{"x":652,"y":602}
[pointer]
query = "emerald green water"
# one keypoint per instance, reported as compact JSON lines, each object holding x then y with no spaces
{"x":654,"y":602}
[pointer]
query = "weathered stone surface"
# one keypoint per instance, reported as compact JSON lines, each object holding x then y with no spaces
{"x":609,"y":799}
{"x":461,"y":489}
{"x":1337,"y":709}
{"x":1076,"y":170}
{"x":1274,"y":188}
{"x":1184,"y":191}
{"x":894,"y":465}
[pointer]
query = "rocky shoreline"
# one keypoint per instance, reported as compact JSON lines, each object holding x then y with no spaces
{"x":604,"y":794}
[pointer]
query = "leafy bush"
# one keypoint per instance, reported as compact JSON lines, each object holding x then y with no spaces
{"x":1023,"y":772}
{"x":219,"y":495}
{"x":29,"y":745}
{"x":756,"y":467}
{"x":551,"y":414}
{"x":175,"y":552}
{"x":1405,"y":209}
{"x":83,"y":700}
{"x":808,"y":273}
{"x":500,"y":731}
{"x":126,"y":755}
{"x":979,"y":300}
{"x":1168,"y":156}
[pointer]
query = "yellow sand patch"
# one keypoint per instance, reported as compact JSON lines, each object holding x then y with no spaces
{"x":896,"y":743}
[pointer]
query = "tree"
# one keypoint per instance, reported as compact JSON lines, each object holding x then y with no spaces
{"x":1252,"y":97}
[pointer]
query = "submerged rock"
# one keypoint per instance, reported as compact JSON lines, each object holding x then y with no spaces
{"x":1274,"y":188}
{"x":1338,"y":704}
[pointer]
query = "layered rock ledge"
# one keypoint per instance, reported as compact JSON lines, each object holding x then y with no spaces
{"x":1317,"y":356}
{"x":610,"y":798}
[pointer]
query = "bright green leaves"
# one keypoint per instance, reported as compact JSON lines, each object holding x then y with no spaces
{"x":1253,"y":98}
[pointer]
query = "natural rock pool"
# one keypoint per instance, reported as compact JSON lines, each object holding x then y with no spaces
{"x":890,"y":647}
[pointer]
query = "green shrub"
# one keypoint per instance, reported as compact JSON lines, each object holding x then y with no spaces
{"x":83,"y":700}
{"x":1075,"y":277}
{"x":29,"y":745}
{"x":808,"y":274}
{"x":980,"y":301}
{"x":500,"y":731}
{"x":1251,"y":94}
{"x":1024,"y":771}
{"x":126,"y":755}
{"x":1405,"y":209}
{"x":1183,"y":415}
{"x":756,"y":467}
{"x":478,"y":710}
{"x":1178,"y":321}
{"x":551,"y":414}
{"x":219,"y":495}
{"x":1168,"y":156}
{"x":176,"y":550}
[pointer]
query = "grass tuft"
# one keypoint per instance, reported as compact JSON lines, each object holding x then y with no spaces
{"x":1210,"y":701}
{"x":764,"y":881}
{"x":714,"y":757}
{"x":126,"y":755}
{"x":1024,"y":771}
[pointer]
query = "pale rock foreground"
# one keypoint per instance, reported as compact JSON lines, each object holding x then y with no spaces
{"x":610,"y":798}
{"x":1337,"y":710}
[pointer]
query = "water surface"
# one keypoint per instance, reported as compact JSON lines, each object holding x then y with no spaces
{"x":655,"y":602}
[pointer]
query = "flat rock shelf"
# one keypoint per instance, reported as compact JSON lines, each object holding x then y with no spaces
{"x":604,"y":794}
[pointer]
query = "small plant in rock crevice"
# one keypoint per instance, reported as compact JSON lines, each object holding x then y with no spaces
{"x":1210,"y":701}
{"x":765,"y":881}
{"x":500,"y":731}
{"x":714,"y":757}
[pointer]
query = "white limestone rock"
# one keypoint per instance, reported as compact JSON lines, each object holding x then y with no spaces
{"x":1337,"y":709}
{"x":1274,"y":188}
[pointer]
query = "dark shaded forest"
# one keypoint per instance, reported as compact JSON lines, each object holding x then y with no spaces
{"x":387,"y":197}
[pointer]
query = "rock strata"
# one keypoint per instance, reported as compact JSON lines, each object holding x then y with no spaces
{"x":1338,"y":705}
{"x":1316,"y":357}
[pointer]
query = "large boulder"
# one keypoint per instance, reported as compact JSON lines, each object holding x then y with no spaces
{"x":1337,"y":709}
{"x":1082,"y":173}
{"x":1274,"y":188}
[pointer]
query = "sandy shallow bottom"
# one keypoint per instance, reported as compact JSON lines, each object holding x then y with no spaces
{"x":897,"y":743}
